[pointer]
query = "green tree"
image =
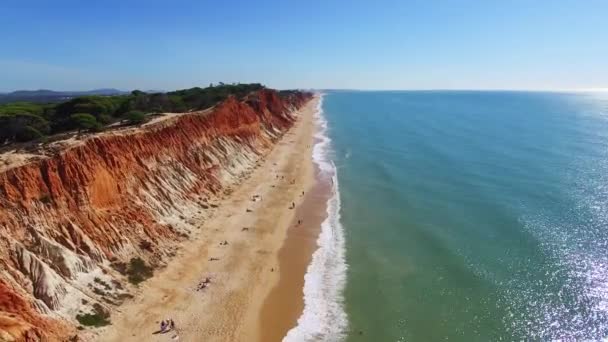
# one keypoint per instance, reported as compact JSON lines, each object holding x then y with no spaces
{"x":84,"y":121}
{"x":135,"y":117}
{"x":28,"y":133}
{"x":177,"y":104}
{"x":22,"y":127}
{"x":105,"y":119}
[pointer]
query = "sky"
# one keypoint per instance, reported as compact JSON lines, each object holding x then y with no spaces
{"x":382,"y":44}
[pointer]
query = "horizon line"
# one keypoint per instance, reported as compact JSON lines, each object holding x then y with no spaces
{"x":555,"y":90}
{"x":593,"y":89}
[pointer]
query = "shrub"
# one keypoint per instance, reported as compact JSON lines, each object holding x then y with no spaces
{"x":22,"y":126}
{"x":93,"y":320}
{"x":98,"y":318}
{"x":146,"y":245}
{"x":46,"y":199}
{"x":84,"y":121}
{"x":28,"y":133}
{"x":105,"y":119}
{"x":135,"y":117}
{"x":138,"y":271}
{"x":99,"y":291}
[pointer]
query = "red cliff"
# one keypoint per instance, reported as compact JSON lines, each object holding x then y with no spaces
{"x":66,"y":219}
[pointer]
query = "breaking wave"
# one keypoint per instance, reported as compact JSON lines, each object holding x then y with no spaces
{"x":324,"y":318}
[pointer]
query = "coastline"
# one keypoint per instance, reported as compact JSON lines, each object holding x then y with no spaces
{"x":246,"y":270}
{"x":285,"y":303}
{"x":307,"y":302}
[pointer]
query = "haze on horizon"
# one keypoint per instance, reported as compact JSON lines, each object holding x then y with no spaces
{"x":75,"y":45}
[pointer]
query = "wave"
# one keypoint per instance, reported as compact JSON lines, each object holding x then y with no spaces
{"x":324,"y":317}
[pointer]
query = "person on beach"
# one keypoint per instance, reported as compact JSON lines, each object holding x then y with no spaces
{"x":171,"y":324}
{"x":163,"y":326}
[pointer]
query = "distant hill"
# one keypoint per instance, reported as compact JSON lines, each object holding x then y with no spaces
{"x":45,"y":95}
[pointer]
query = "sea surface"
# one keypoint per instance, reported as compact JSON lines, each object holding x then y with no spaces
{"x":461,"y":216}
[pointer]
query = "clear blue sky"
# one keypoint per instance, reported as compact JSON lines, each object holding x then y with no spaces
{"x":532,"y":44}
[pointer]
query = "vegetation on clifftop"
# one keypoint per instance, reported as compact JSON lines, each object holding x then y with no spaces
{"x":25,"y":121}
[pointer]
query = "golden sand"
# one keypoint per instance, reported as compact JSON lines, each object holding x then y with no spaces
{"x":234,"y":306}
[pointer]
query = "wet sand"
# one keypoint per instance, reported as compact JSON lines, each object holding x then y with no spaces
{"x":285,"y":303}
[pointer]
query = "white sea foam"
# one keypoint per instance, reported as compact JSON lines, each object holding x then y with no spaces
{"x":324,"y":318}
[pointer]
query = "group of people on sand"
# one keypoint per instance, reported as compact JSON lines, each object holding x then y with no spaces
{"x":203,"y":284}
{"x":166,"y":326}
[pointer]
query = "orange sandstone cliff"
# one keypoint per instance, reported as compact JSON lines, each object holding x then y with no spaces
{"x":67,"y":220}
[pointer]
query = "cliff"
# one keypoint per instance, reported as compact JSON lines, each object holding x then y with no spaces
{"x":70,"y":222}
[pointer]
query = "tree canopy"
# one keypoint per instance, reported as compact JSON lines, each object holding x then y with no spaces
{"x":84,"y":121}
{"x":25,"y":121}
{"x":135,"y":117}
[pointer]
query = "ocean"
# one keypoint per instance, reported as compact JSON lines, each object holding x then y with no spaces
{"x":461,"y":216}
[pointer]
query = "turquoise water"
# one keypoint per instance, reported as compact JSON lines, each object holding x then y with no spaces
{"x":473,"y":216}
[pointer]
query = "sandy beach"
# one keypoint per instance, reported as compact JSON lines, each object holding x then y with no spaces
{"x":245,"y":272}
{"x":285,"y":303}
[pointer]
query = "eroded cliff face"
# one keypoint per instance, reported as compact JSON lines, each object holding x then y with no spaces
{"x":66,"y":221}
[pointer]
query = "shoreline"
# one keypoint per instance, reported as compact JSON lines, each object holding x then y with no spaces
{"x":307,"y":302}
{"x":285,"y":303}
{"x":244,"y":271}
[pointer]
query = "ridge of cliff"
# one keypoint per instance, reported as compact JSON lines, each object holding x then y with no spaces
{"x":70,"y":223}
